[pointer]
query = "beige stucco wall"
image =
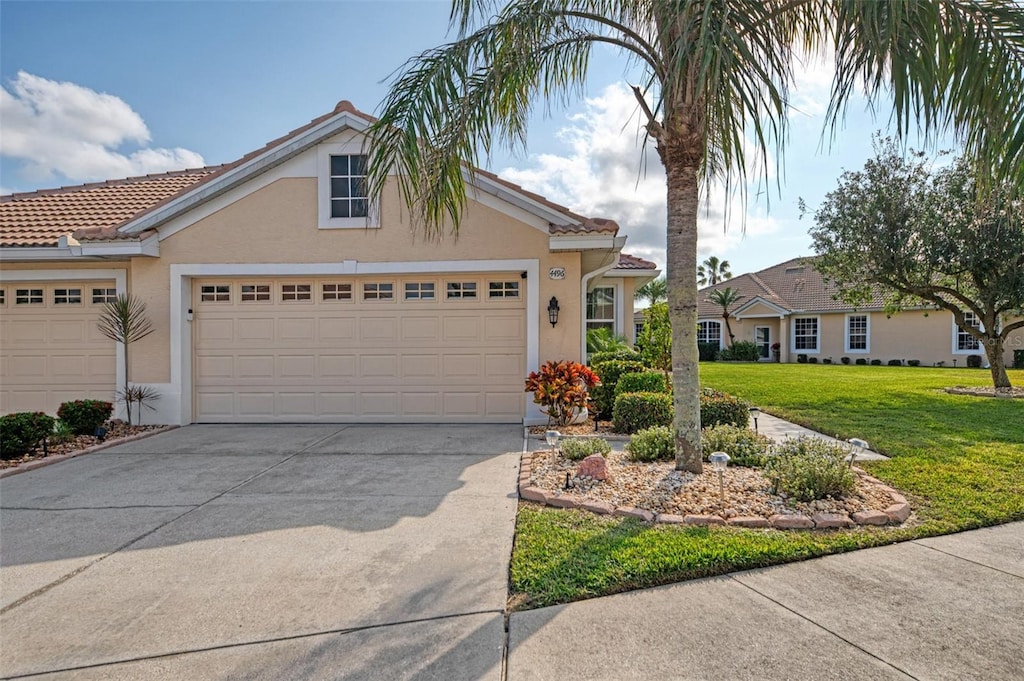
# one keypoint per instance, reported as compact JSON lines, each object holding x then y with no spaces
{"x":278,"y":224}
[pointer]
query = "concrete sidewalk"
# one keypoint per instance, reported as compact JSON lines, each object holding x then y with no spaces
{"x":942,"y":608}
{"x":778,"y":430}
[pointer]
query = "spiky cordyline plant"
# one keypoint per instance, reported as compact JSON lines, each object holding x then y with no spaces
{"x":708,"y":75}
{"x":124,"y":320}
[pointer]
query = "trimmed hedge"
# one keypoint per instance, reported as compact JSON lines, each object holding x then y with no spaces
{"x":626,"y":355}
{"x":717,"y":407}
{"x":652,"y":444}
{"x":707,"y":352}
{"x":579,"y":448}
{"x":740,"y":351}
{"x":744,"y":446}
{"x":637,"y":411}
{"x":84,"y":416}
{"x":895,"y":362}
{"x":609,"y":372}
{"x":642,"y":382}
{"x":974,"y":361}
{"x":861,"y":362}
{"x":21,"y":432}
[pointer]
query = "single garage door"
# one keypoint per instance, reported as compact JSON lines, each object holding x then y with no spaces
{"x":360,"y":349}
{"x":50,"y":348}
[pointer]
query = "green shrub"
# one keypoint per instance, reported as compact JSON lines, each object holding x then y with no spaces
{"x":801,"y":358}
{"x":876,"y":362}
{"x":22,"y":432}
{"x":809,"y":468}
{"x":827,"y":360}
{"x":626,"y":355}
{"x":812,"y":359}
{"x":84,"y":416}
{"x":861,"y":362}
{"x":578,"y":448}
{"x":609,"y":372}
{"x":895,"y":362}
{"x":652,"y":444}
{"x":642,"y":382}
{"x":740,"y":351}
{"x":913,"y":362}
{"x":844,"y":360}
{"x":707,"y":352}
{"x":636,"y":411}
{"x":744,"y":446}
{"x":61,"y":432}
{"x":717,"y":407}
{"x":974,"y":361}
{"x":1018,"y":359}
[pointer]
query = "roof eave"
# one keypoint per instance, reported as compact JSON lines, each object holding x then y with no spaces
{"x":585,"y":242}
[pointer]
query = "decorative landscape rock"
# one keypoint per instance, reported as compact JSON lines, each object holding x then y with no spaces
{"x":749,"y":521}
{"x":601,"y":507}
{"x":827,"y":521}
{"x":630,"y":512}
{"x":594,"y":467}
{"x":870,"y":518}
{"x":703,"y":520}
{"x":791,"y":522}
{"x":898,"y":513}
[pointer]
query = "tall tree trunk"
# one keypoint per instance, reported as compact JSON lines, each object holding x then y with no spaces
{"x":681,"y":256}
{"x":994,"y":352}
{"x":728,"y":328}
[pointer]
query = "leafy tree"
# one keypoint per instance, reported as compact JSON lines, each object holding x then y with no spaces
{"x":713,"y":271}
{"x":923,"y":236}
{"x":654,"y":291}
{"x":725,"y":298}
{"x":124,"y":320}
{"x":655,"y":341}
{"x":712,"y":81}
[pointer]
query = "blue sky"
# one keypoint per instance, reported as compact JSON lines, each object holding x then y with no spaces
{"x":101,"y":90}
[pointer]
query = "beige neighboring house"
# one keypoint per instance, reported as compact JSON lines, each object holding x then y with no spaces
{"x":279,"y":295}
{"x":791,"y":304}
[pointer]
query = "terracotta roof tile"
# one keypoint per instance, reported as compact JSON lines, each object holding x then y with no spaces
{"x":632,"y":262}
{"x":40,"y":218}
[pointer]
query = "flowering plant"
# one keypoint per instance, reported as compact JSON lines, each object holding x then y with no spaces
{"x":562,"y":389}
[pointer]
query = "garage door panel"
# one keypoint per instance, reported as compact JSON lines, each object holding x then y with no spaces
{"x":68,"y":367}
{"x":28,"y":332}
{"x":73,"y":331}
{"x":356,"y":360}
{"x":30,"y":368}
{"x":101,"y":367}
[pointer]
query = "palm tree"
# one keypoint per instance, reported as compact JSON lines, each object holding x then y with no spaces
{"x":712,"y":271}
{"x":726,"y":298}
{"x":654,"y":291}
{"x":712,"y":81}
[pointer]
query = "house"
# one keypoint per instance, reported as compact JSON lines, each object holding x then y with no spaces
{"x":791,"y":304}
{"x":279,"y":295}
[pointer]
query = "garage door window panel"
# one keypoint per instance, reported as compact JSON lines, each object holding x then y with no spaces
{"x":419,"y":290}
{"x":215,"y":293}
{"x":461,"y":290}
{"x":3,"y":297}
{"x":336,"y":292}
{"x":67,"y":296}
{"x":296,"y":293}
{"x":28,"y":296}
{"x":255,"y":293}
{"x":103,"y":295}
{"x":503,"y":290}
{"x":378,"y":291}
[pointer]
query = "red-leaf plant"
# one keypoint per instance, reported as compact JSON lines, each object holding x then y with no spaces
{"x":562,"y":389}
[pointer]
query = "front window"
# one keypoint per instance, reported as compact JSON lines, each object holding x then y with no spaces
{"x":348,"y":186}
{"x":601,"y":308}
{"x":805,"y":333}
{"x":964,"y":340}
{"x":857,"y":333}
{"x":709,"y":332}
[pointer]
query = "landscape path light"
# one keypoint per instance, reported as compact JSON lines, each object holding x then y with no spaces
{"x":719,"y":460}
{"x":754,"y":413}
{"x":552,"y":437}
{"x":860,"y":446}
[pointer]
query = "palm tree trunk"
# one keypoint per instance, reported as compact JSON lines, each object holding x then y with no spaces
{"x":728,"y":328}
{"x":681,"y":256}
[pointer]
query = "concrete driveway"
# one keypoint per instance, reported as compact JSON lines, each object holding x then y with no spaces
{"x":264,"y":552}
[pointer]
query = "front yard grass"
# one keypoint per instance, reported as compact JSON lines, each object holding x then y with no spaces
{"x":960,"y":459}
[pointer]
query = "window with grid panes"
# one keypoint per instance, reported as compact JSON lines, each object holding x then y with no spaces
{"x":857,"y":332}
{"x":215,"y":293}
{"x":964,"y":340}
{"x":28,"y":296}
{"x":419,"y":290}
{"x":104,"y":295}
{"x":336,"y":291}
{"x":461,"y":290}
{"x":255,"y":293}
{"x":67,"y":296}
{"x":296,"y":292}
{"x":378,"y":291}
{"x":601,"y":308}
{"x":348,"y":186}
{"x":805,"y":333}
{"x":503,"y":289}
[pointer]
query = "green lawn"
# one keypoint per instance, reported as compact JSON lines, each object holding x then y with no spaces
{"x":960,"y":460}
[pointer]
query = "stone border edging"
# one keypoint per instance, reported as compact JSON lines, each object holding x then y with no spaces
{"x":895,"y":514}
{"x":57,"y":458}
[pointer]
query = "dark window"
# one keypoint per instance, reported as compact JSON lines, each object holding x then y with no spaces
{"x":348,"y":186}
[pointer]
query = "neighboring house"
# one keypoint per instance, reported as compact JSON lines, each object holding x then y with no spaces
{"x":791,"y":304}
{"x":279,"y":294}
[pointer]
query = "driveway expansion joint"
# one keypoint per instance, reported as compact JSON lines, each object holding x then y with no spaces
{"x":966,"y":560}
{"x":736,"y":578}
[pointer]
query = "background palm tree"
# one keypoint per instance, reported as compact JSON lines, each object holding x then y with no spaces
{"x":725,"y":298}
{"x":713,"y":271}
{"x":712,"y":80}
{"x":654,"y":291}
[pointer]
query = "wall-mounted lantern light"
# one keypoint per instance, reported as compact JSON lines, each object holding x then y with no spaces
{"x":553,"y":311}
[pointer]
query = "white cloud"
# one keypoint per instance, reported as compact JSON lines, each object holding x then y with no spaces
{"x":66,"y":130}
{"x":607,"y":172}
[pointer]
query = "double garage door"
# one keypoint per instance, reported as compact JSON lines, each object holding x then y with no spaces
{"x":51,"y":350}
{"x":410,"y":348}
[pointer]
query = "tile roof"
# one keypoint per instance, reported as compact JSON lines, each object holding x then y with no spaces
{"x":632,"y":262}
{"x":794,"y":285}
{"x":93,"y":212}
{"x":40,"y":218}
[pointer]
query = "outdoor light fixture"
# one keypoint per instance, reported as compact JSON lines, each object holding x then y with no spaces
{"x":100,"y":433}
{"x":552,"y":437}
{"x":719,"y":460}
{"x":860,"y":447}
{"x":754,"y":413}
{"x":553,"y":311}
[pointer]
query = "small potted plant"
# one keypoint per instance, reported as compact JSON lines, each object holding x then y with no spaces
{"x":776,"y":348}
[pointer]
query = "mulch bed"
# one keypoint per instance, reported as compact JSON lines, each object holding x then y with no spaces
{"x":117,"y":431}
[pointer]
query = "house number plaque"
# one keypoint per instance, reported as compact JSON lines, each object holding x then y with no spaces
{"x":556,"y":273}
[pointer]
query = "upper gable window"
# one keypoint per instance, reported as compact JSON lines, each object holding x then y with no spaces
{"x":342,"y":193}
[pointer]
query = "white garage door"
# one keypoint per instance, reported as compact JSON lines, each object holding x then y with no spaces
{"x":50,"y":348}
{"x":360,"y":349}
